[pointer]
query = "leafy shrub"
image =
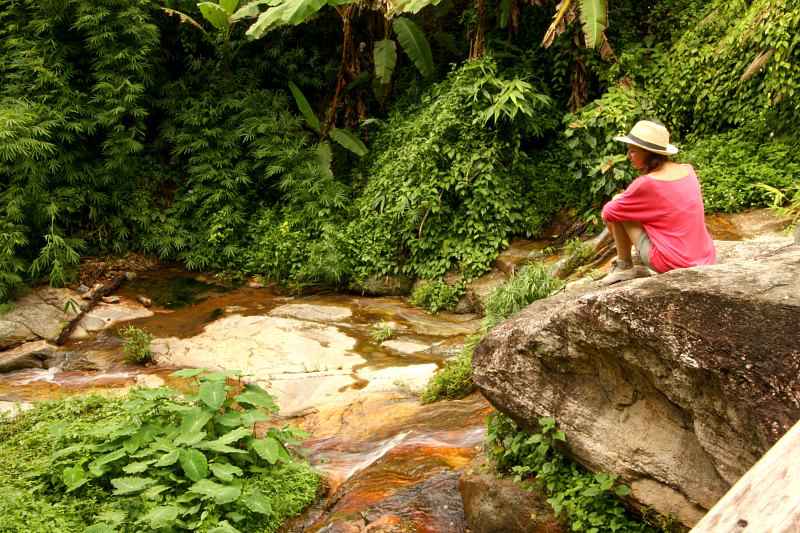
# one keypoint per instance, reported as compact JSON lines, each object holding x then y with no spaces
{"x":454,"y":381}
{"x":529,"y":284}
{"x":444,"y":192}
{"x":737,"y":63}
{"x":436,"y":295}
{"x":588,"y":501}
{"x":381,"y":331}
{"x":151,"y":461}
{"x":136,"y":345}
{"x":594,"y":160}
{"x":731,"y":165}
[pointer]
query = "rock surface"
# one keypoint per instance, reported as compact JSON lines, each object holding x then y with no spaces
{"x":677,"y":383}
{"x":493,"y":503}
{"x":41,"y":314}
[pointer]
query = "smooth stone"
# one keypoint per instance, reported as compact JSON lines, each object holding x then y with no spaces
{"x":313,"y":312}
{"x":105,"y":315}
{"x":406,"y":347}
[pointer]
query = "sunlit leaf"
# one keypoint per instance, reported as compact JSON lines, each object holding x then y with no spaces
{"x":221,"y":494}
{"x":194,"y":464}
{"x":414,"y":43}
{"x":73,"y":477}
{"x":129,"y":485}
{"x":594,"y":18}
{"x":266,"y":448}
{"x":212,"y":393}
{"x":348,"y":140}
{"x":257,"y":502}
{"x":225,"y":472}
{"x":215,"y":14}
{"x":163,"y":516}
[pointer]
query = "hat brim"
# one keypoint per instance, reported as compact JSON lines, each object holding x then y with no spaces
{"x":671,"y":149}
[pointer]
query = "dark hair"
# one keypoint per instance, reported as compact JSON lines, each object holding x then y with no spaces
{"x":654,"y":161}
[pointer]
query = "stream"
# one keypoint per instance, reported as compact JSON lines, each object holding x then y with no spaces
{"x":389,"y":463}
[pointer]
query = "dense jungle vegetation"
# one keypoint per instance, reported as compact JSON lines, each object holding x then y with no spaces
{"x":326,"y":141}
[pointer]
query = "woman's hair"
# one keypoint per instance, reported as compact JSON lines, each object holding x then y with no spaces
{"x":654,"y":161}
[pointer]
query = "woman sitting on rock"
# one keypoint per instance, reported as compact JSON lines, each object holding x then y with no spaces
{"x":661,"y":212}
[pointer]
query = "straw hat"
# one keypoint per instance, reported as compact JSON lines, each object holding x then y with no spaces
{"x":649,"y":136}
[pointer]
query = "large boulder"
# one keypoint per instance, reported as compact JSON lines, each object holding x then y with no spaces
{"x":41,"y":314}
{"x":677,"y":383}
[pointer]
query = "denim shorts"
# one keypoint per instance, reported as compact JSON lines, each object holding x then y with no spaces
{"x":643,"y":247}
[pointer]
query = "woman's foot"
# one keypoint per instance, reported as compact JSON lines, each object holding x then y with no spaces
{"x":623,"y":271}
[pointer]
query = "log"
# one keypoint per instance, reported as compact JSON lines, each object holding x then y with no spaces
{"x":766,"y":498}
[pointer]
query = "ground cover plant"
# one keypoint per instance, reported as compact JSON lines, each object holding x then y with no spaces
{"x":531,"y":283}
{"x":588,"y":502}
{"x":154,"y":460}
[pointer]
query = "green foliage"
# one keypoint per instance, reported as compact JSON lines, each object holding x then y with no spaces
{"x":151,"y":460}
{"x":596,"y":161}
{"x":382,"y":331}
{"x":730,"y":167}
{"x":736,"y":63}
{"x":785,"y":203}
{"x":442,"y":191}
{"x":588,"y":501}
{"x":414,"y":44}
{"x":437,"y":295}
{"x":136,"y":345}
{"x":454,"y":380}
{"x":529,"y":284}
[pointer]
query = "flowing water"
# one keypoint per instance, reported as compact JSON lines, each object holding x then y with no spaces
{"x":389,"y":463}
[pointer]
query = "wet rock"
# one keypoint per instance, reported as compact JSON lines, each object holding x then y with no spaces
{"x":41,"y":314}
{"x":493,"y":503}
{"x":316,"y":313}
{"x":384,"y":286}
{"x":517,"y":255}
{"x":28,"y":355}
{"x":144,"y":300}
{"x":677,"y":383}
{"x":105,"y":315}
{"x":405,"y":346}
{"x":149,"y":381}
{"x":110,"y":299}
{"x":478,"y":291}
{"x":411,"y":378}
{"x":305,"y":362}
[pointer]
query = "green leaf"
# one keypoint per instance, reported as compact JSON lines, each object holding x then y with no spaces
{"x":168,"y":459}
{"x":73,"y":477}
{"x":190,"y":439}
{"x":347,"y":139}
{"x":286,"y":12}
{"x":163,"y":516}
{"x":229,"y":5}
{"x":413,"y":6}
{"x":257,"y":502}
{"x":305,"y":107}
{"x":229,"y":419}
{"x":324,"y":156}
{"x":233,"y":436}
{"x":194,"y":420}
{"x":221,"y":494}
{"x":224,"y":527}
{"x":137,"y":468}
{"x":414,"y":44}
{"x":385,"y":56}
{"x":194,"y":464}
{"x":113,"y":516}
{"x":266,"y":448}
{"x":256,"y":396}
{"x":212,"y":393}
{"x":594,"y":18}
{"x":622,"y":490}
{"x":215,"y":14}
{"x":96,"y":466}
{"x":218,"y":447}
{"x":152,"y":492}
{"x":251,"y":416}
{"x":100,"y":528}
{"x":225,"y":471}
{"x":129,"y":485}
{"x":249,"y":10}
{"x":188,"y":372}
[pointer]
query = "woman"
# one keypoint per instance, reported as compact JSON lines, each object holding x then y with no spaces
{"x":661,"y":212}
